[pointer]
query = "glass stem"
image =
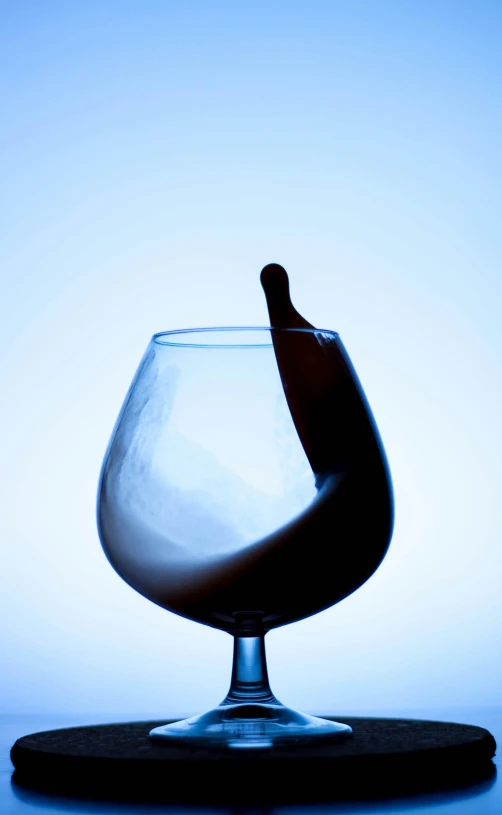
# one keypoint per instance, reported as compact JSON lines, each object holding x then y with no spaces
{"x":249,"y":684}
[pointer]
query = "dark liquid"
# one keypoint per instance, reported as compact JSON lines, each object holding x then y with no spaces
{"x":320,"y":557}
{"x":324,"y":557}
{"x":342,"y":538}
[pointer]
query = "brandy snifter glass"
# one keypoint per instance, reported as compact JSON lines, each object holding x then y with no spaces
{"x":244,"y":497}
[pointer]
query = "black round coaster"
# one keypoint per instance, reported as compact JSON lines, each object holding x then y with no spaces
{"x":382,"y":757}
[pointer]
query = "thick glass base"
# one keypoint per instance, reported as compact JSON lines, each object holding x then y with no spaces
{"x":250,"y":716}
{"x":251,"y":726}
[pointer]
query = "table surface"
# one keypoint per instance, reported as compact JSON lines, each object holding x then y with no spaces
{"x":482,"y":799}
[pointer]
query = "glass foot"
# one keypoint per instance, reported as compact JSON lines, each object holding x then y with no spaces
{"x":251,"y":726}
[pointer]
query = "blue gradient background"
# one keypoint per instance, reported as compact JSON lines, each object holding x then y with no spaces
{"x":155,"y":155}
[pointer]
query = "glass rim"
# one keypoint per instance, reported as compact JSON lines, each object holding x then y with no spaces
{"x":163,"y":337}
